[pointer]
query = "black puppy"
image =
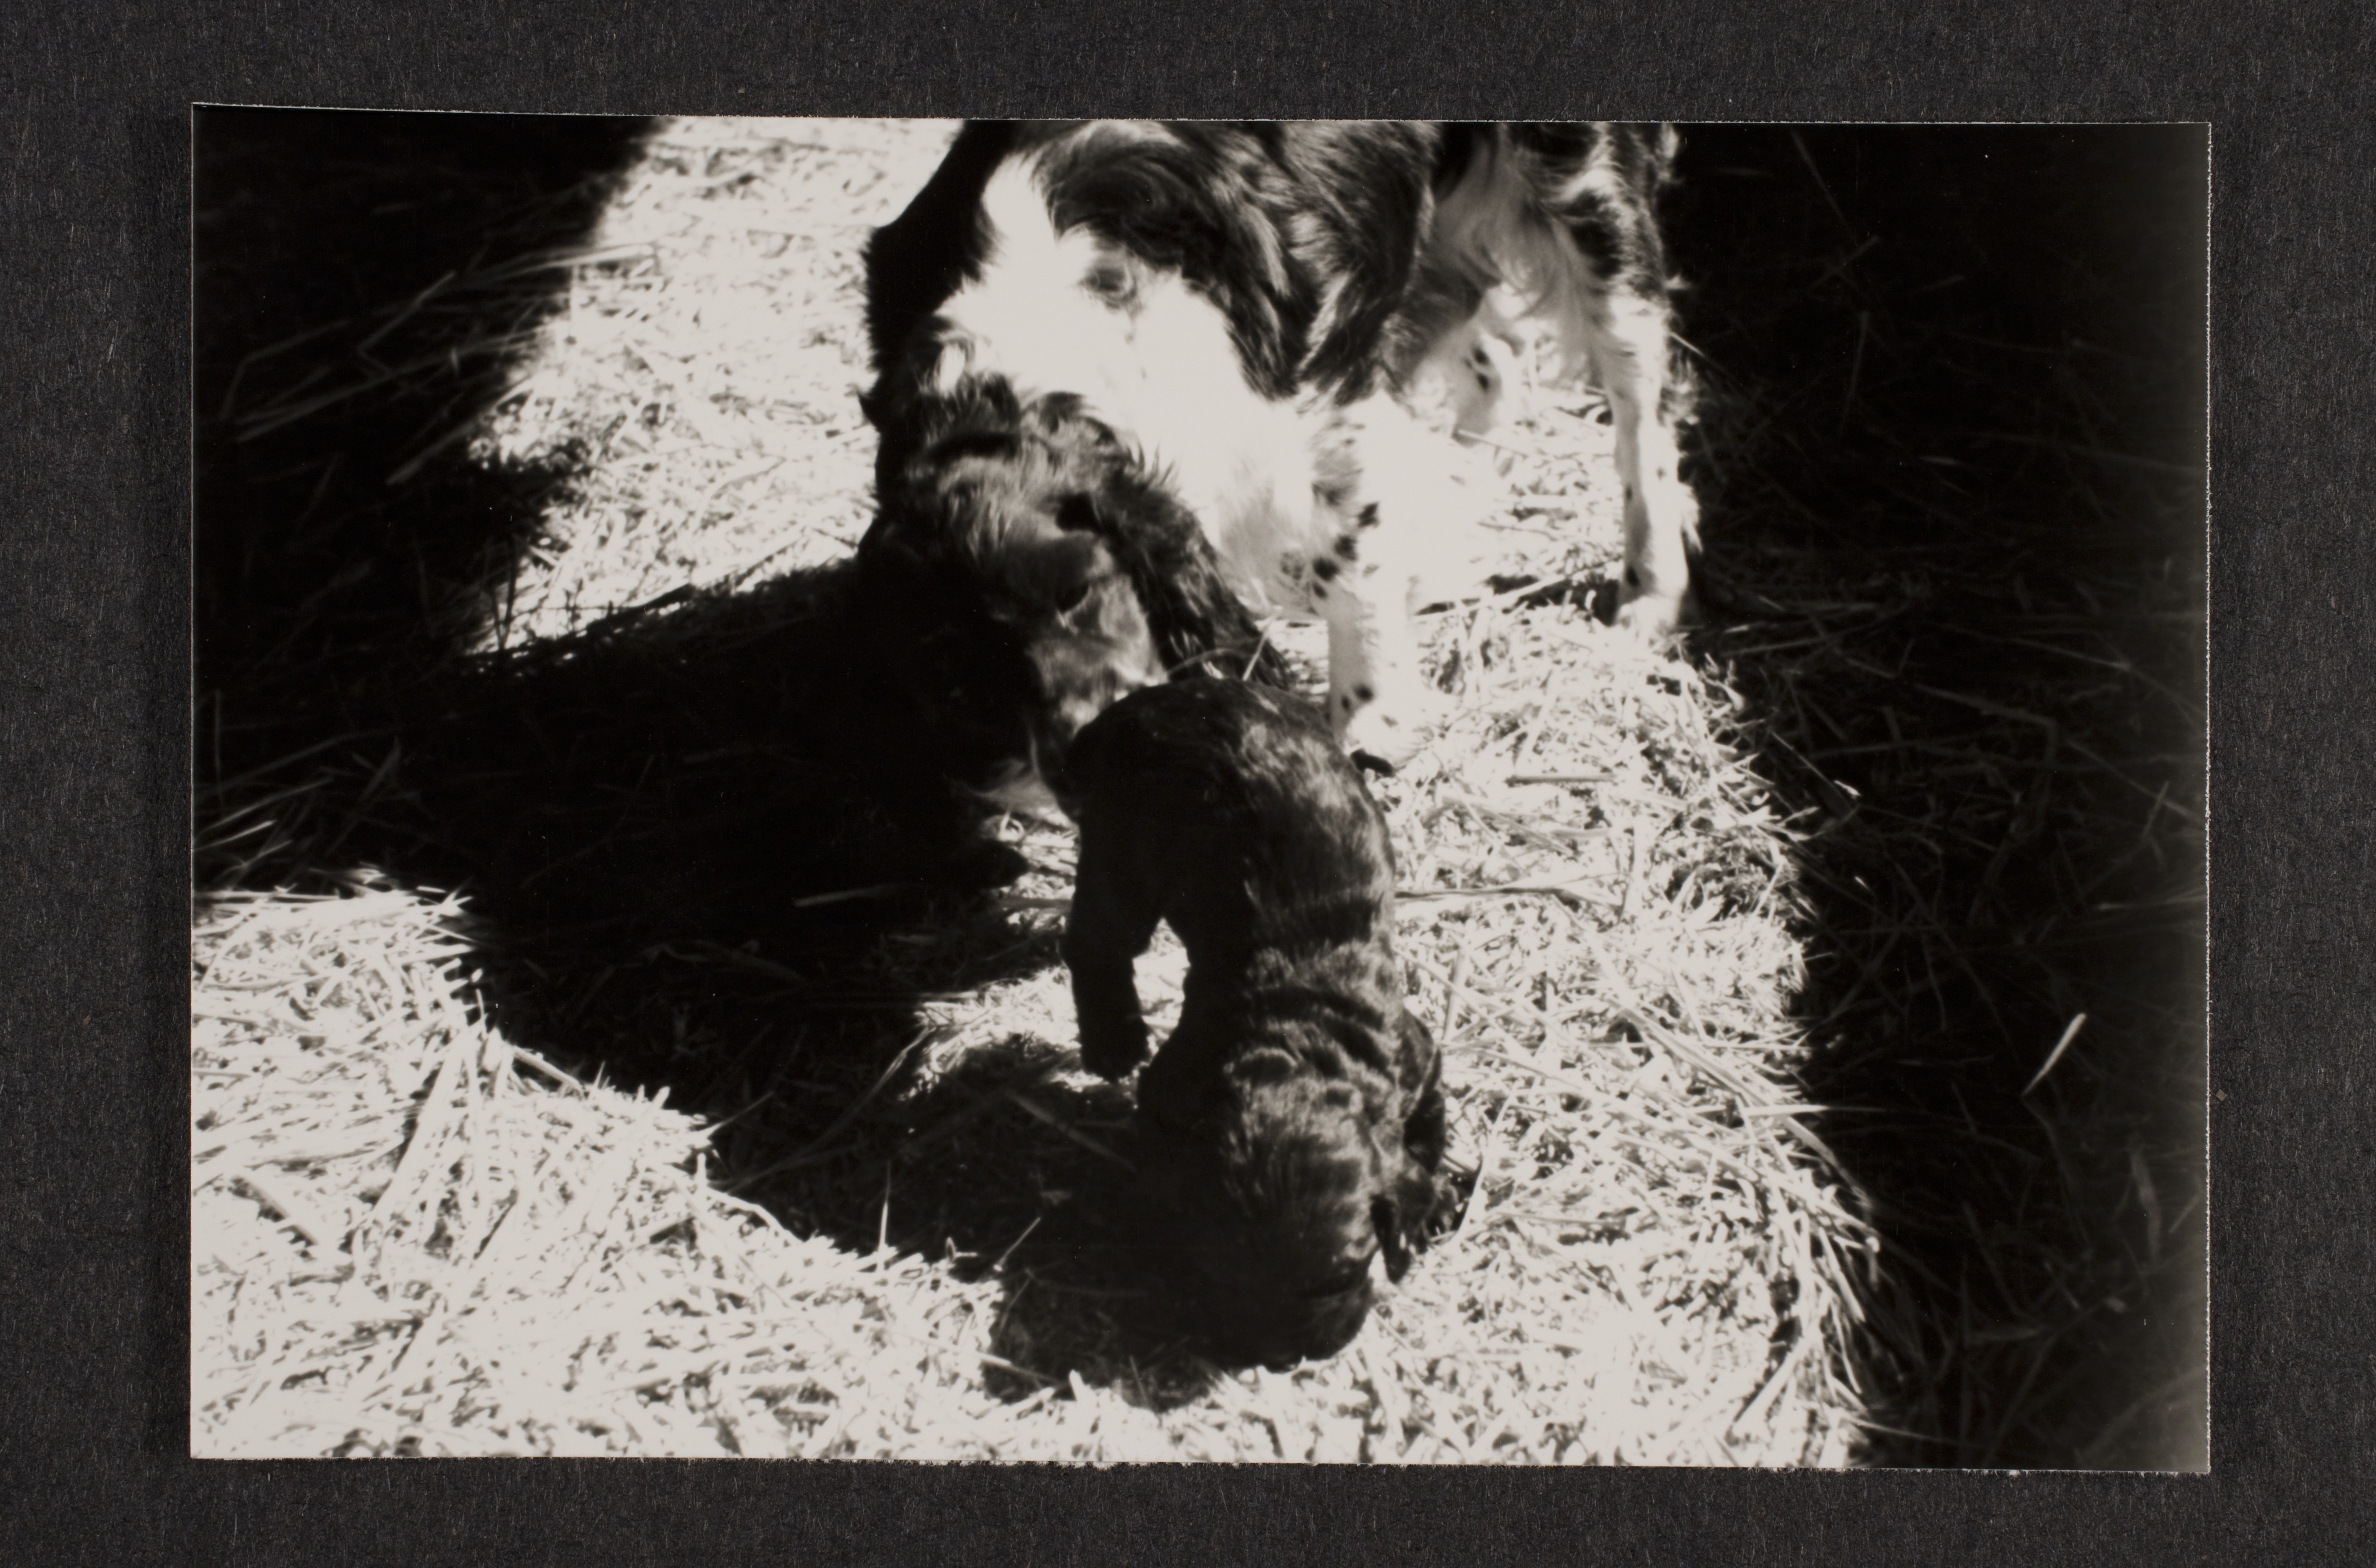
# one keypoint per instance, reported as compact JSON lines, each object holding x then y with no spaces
{"x":1295,"y":1118}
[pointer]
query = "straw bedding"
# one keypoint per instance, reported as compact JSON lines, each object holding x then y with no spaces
{"x":414,"y":1239}
{"x":411,"y":1234}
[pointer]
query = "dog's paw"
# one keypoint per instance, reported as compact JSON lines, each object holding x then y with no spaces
{"x":1383,"y":737}
{"x":1653,"y":617}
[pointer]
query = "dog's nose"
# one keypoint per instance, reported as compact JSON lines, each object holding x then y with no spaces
{"x":1371,"y":761}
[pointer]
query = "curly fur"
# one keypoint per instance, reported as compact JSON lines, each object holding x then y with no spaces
{"x":1294,"y":1118}
{"x":1024,"y":570}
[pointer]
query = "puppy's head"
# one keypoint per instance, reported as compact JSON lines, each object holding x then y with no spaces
{"x":1080,"y":626}
{"x":1025,"y":626}
{"x":1287,"y":1193}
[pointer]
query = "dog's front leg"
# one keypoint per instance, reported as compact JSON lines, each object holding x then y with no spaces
{"x":1379,"y":702}
{"x":1628,"y":340}
{"x":1395,"y":503}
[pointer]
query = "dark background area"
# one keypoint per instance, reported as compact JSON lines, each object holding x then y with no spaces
{"x":98,"y":743}
{"x":1952,"y":454}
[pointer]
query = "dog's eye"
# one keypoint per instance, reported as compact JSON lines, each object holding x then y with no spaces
{"x":1077,"y":513}
{"x":1109,"y":281}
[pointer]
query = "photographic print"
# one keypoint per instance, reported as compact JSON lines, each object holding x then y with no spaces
{"x":1326,"y":792}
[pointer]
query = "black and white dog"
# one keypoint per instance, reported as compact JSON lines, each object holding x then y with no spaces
{"x":1248,"y":317}
{"x":1294,"y":1121}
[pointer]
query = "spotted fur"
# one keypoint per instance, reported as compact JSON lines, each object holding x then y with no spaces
{"x":1253,"y":312}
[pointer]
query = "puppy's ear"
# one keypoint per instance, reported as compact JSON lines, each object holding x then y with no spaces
{"x":1420,"y":1063}
{"x":1386,"y":1216}
{"x":1402,"y":1217}
{"x":1421,"y":1075}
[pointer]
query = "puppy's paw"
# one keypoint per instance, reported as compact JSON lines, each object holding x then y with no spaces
{"x":1112,"y":1050}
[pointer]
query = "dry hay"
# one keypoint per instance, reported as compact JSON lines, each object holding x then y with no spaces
{"x":409,"y":1237}
{"x":705,"y":367}
{"x":1654,"y":1260}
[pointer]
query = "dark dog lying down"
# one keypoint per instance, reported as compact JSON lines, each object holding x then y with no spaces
{"x":1294,"y":1120}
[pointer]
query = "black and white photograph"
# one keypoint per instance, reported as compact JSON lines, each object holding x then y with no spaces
{"x":1329,"y":791}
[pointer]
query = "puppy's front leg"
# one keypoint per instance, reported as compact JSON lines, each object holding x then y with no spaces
{"x":1105,"y":999}
{"x":1104,"y":934}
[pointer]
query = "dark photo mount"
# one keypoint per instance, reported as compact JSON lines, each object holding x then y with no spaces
{"x":98,"y":741}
